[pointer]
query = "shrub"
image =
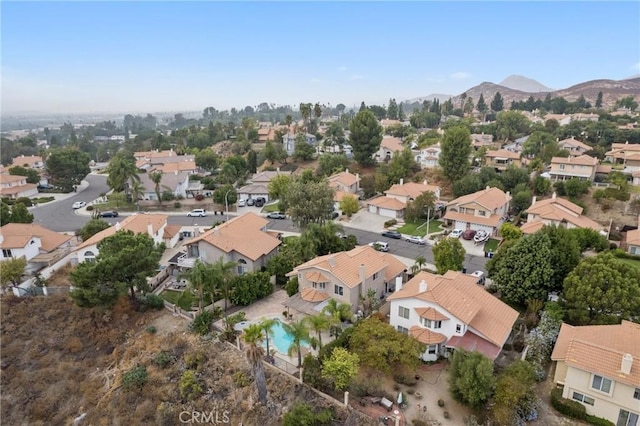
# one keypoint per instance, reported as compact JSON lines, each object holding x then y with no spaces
{"x":89,"y":208}
{"x":389,"y":223}
{"x":163,"y":359}
{"x":151,"y":329}
{"x":202,"y":323}
{"x":25,"y":200}
{"x":134,"y":378}
{"x":189,"y":387}
{"x":154,"y":301}
{"x":177,"y":205}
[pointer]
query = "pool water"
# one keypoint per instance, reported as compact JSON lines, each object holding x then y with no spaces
{"x":281,"y":339}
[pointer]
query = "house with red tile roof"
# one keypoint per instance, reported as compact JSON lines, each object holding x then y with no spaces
{"x":483,"y":210}
{"x":345,"y":276}
{"x":599,"y":367}
{"x":450,"y":311}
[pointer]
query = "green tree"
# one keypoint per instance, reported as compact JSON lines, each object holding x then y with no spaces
{"x":365,"y":138}
{"x":515,"y":397}
{"x":122,"y":170}
{"x":349,"y":205}
{"x":471,"y":379}
{"x":20,"y":214}
{"x":299,"y":334}
{"x":253,"y":336}
{"x":91,"y":228}
{"x":602,"y":290}
{"x":31,"y":174}
{"x":12,"y":270}
{"x":67,"y":167}
{"x":525,"y":270}
{"x":225,"y":195}
{"x":421,"y":207}
{"x":341,"y":368}
{"x":124,"y":261}
{"x":497,"y":104}
{"x":310,"y":202}
{"x":456,"y":149}
{"x":381,"y":347}
{"x":448,"y":254}
{"x":156,"y":178}
{"x":278,"y":186}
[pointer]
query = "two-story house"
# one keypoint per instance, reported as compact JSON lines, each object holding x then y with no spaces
{"x":38,"y":245}
{"x":151,"y":224}
{"x":289,"y":141}
{"x":483,"y":210}
{"x":582,"y":167}
{"x":389,"y":146}
{"x":177,"y":183}
{"x":501,"y":159}
{"x":450,"y":311}
{"x":14,"y":186}
{"x":556,"y":211}
{"x":28,"y":161}
{"x":599,"y":366}
{"x":574,"y":147}
{"x":244,"y":240}
{"x":394,"y":203}
{"x":345,"y":276}
{"x":428,"y":157}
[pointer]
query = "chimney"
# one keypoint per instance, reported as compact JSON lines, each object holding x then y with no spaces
{"x":398,"y":283}
{"x":553,"y":197}
{"x":627,"y":361}
{"x":533,"y":200}
{"x":423,"y":286}
{"x":118,"y":226}
{"x":401,"y":181}
{"x":363,"y":275}
{"x":150,"y":229}
{"x":332,"y":261}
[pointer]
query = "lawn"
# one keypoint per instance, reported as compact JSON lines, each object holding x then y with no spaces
{"x":419,"y":228}
{"x":491,"y":245}
{"x":632,"y":262}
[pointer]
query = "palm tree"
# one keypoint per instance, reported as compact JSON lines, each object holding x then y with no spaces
{"x":318,"y":323}
{"x":267,"y":325}
{"x":223,"y":272}
{"x":156,"y":178}
{"x":299,"y":334}
{"x":253,"y":336}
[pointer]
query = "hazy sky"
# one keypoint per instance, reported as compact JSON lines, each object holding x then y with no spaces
{"x":167,"y":56}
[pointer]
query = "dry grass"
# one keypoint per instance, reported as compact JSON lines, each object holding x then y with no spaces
{"x":59,"y":361}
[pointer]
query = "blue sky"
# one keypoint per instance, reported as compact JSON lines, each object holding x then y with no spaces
{"x":168,"y":56}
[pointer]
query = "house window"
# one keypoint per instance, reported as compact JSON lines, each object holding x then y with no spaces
{"x":403,"y":312}
{"x":337,"y":289}
{"x":6,"y":253}
{"x":458,"y":328}
{"x":320,"y":286}
{"x":403,"y":330}
{"x":433,"y":349}
{"x":583,"y":398}
{"x":627,"y":418}
{"x":601,"y":383}
{"x":375,"y":276}
{"x":636,"y":393}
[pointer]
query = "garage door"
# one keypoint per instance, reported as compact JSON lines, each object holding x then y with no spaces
{"x":387,"y":213}
{"x":373,"y":209}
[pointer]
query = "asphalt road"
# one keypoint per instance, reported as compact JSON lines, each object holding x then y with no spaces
{"x":59,"y":216}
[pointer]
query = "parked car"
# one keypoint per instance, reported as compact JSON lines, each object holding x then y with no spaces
{"x":481,"y":236}
{"x":416,"y":240}
{"x":79,"y":204}
{"x":242,"y":203}
{"x":277,"y":215}
{"x":251,"y":202}
{"x":456,"y":233}
{"x":109,"y":213}
{"x":392,"y":234}
{"x":380,"y":246}
{"x":197,"y":213}
{"x":469,"y":234}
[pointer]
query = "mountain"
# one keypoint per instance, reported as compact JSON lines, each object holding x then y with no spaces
{"x":524,"y":84}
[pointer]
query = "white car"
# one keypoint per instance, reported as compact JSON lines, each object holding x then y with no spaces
{"x":197,"y":213}
{"x":415,"y":239}
{"x":456,"y":233}
{"x":78,"y":205}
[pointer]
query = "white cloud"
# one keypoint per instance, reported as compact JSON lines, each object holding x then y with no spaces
{"x":342,"y":68}
{"x":460,"y":75}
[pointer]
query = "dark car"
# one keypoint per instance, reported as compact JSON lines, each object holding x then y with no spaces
{"x":109,"y":213}
{"x":277,"y":215}
{"x":468,"y":234}
{"x":392,"y":234}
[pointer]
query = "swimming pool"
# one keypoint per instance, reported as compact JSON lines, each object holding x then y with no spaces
{"x":281,"y":339}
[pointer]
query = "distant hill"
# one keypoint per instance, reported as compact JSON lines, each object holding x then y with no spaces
{"x":612,"y":90}
{"x":524,"y":84}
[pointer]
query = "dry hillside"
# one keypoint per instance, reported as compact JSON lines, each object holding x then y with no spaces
{"x":59,"y":361}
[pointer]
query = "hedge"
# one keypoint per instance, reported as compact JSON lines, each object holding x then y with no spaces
{"x":575,"y":410}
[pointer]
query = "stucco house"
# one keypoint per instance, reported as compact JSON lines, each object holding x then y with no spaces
{"x":598,"y":366}
{"x":151,"y":224}
{"x":345,"y":276}
{"x":501,"y":159}
{"x":244,"y":240}
{"x":574,"y":147}
{"x":39,"y":246}
{"x":556,"y":211}
{"x":582,"y":167}
{"x":450,"y":311}
{"x":177,"y":183}
{"x":14,"y":186}
{"x":28,"y":161}
{"x":483,"y":210}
